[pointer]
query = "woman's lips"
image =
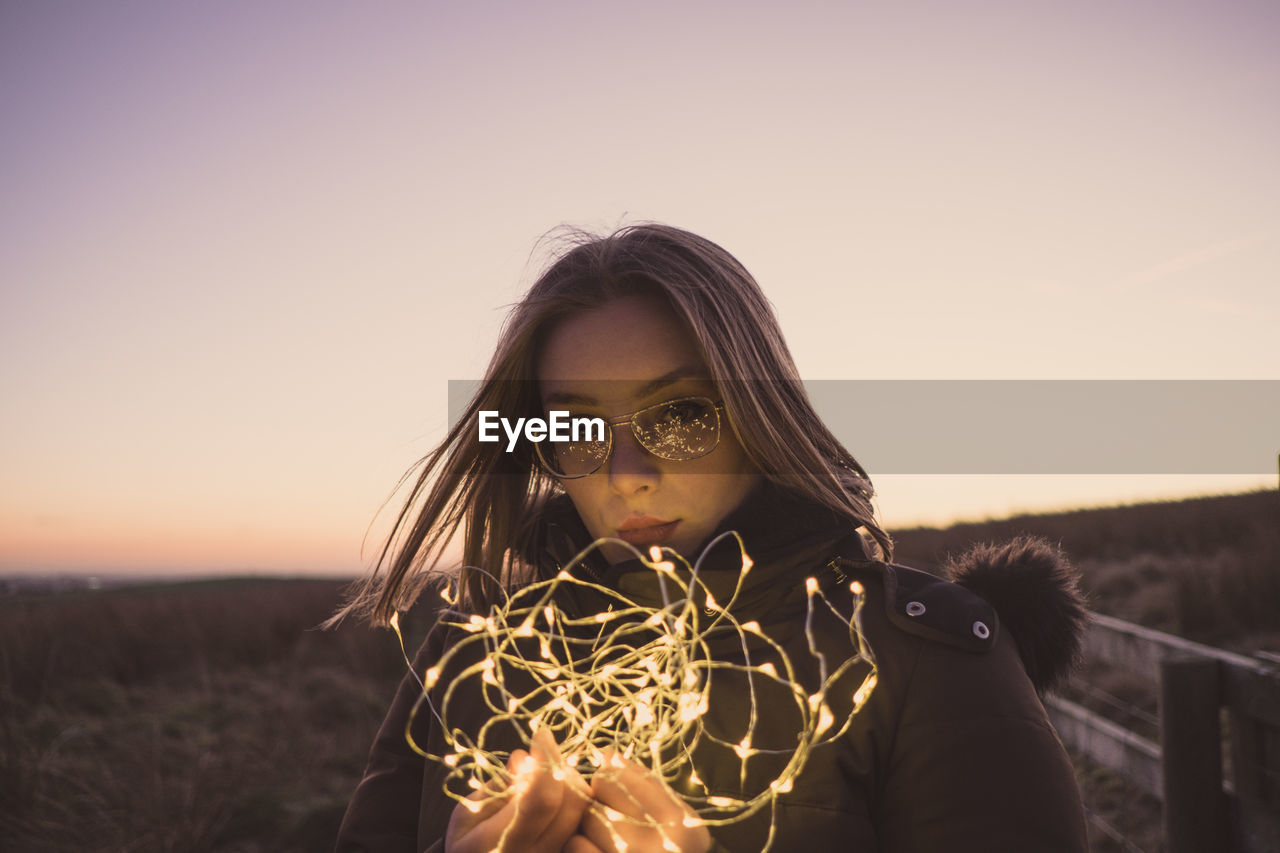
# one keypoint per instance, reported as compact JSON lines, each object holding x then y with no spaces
{"x":646,"y":530}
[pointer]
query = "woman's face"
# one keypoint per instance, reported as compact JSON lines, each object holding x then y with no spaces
{"x":628,"y":354}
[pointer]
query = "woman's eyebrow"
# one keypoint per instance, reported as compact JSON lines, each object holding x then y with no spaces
{"x":671,"y":377}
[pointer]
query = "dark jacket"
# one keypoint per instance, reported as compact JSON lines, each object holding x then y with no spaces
{"x":952,"y":751}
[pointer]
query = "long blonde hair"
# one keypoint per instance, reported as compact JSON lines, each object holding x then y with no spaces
{"x":495,"y":497}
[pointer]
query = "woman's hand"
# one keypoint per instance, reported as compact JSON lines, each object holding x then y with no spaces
{"x":625,"y":790}
{"x":547,"y":803}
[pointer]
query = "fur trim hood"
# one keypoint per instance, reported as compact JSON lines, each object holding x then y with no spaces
{"x":1035,"y":590}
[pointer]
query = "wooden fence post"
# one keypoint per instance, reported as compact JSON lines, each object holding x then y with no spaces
{"x":1191,"y":749}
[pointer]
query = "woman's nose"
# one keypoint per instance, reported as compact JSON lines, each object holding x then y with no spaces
{"x":631,"y":468}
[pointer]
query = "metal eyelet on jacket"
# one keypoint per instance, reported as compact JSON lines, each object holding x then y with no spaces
{"x":980,"y":630}
{"x":915,"y":608}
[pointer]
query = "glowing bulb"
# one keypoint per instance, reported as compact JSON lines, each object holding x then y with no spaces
{"x":811,"y":585}
{"x":864,"y":691}
{"x":433,"y":675}
{"x":769,"y":669}
{"x":825,"y":719}
{"x":743,"y":748}
{"x":655,"y":553}
{"x":712,"y":604}
{"x":855,"y":588}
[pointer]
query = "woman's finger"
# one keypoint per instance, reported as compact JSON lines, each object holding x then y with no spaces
{"x":581,"y":844}
{"x":521,"y":819}
{"x":575,"y":794}
{"x":602,"y":832}
{"x":634,"y":791}
{"x":635,"y":810}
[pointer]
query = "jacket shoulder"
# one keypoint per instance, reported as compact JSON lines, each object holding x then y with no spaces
{"x":1029,"y":581}
{"x":929,"y":607}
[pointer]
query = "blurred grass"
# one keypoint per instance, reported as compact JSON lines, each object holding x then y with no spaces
{"x":210,"y":716}
{"x":193,"y":717}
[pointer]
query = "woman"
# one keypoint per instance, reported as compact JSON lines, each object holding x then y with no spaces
{"x":667,"y":338}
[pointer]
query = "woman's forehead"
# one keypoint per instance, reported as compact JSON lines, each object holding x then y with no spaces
{"x":615,"y":393}
{"x":618,"y":349}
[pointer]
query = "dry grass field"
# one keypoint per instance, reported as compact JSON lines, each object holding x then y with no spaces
{"x":193,"y":717}
{"x":210,"y":716}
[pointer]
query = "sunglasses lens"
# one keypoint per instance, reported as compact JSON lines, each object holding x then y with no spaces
{"x":573,"y":458}
{"x":679,"y":429}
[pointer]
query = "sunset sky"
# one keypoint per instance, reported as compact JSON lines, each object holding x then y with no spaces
{"x":245,"y":245}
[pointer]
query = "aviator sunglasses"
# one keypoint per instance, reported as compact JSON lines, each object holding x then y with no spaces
{"x":677,"y":430}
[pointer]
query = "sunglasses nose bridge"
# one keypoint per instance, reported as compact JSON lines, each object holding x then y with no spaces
{"x":628,"y":459}
{"x":613,"y":440}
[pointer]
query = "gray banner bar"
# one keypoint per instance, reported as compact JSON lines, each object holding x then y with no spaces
{"x":1055,"y":426}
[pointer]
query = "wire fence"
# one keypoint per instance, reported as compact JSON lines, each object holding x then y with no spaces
{"x":1209,"y":753}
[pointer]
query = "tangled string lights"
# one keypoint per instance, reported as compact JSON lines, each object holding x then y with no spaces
{"x":630,"y":679}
